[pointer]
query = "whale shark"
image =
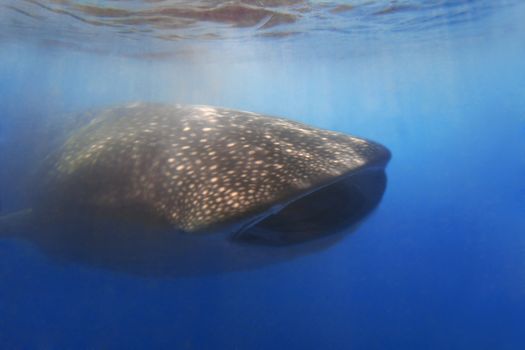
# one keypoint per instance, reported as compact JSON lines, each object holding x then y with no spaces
{"x":182,"y":188}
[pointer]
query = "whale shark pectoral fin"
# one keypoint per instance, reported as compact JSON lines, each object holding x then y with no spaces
{"x":13,"y":224}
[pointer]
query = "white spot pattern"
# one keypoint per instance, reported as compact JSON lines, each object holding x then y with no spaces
{"x":200,"y":166}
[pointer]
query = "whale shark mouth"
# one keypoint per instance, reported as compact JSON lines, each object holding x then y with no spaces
{"x":323,"y":211}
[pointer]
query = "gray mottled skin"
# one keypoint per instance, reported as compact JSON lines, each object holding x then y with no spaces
{"x":198,"y":167}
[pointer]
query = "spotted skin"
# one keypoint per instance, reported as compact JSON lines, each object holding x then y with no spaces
{"x":198,"y":167}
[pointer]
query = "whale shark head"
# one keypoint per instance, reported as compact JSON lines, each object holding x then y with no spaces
{"x":201,"y":168}
{"x":207,"y":174}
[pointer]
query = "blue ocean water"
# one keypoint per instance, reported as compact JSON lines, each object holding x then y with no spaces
{"x":439,"y":265}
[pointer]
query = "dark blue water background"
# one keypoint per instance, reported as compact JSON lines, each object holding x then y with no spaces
{"x":439,"y":265}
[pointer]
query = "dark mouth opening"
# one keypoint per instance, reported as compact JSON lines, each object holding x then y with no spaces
{"x":328,"y":210}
